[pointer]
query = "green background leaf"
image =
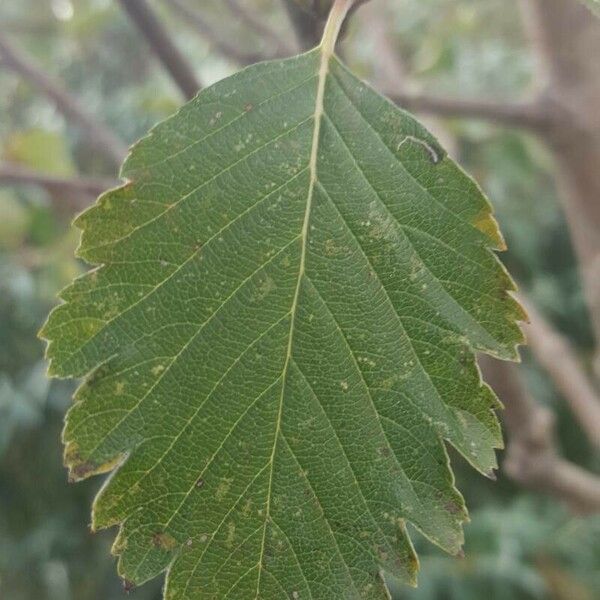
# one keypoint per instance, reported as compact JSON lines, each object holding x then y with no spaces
{"x":280,"y":337}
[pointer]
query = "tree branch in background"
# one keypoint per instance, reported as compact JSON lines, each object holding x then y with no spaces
{"x":280,"y":46}
{"x":526,"y":115}
{"x":390,"y":76}
{"x":160,"y":43}
{"x":555,"y":354}
{"x":97,"y":133}
{"x":308,"y":26}
{"x":11,"y":173}
{"x":219,"y":42}
{"x":565,"y":37}
{"x":77,"y":193}
{"x":308,"y":19}
{"x":532,"y":459}
{"x":531,"y":456}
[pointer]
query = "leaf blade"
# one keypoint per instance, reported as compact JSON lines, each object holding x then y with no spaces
{"x":310,"y":352}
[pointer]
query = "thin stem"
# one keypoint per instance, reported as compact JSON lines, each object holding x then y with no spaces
{"x":98,"y":134}
{"x":280,"y":46}
{"x":533,"y":115}
{"x":149,"y":25}
{"x":217,"y":39}
{"x":338,"y":13}
{"x":306,"y":25}
{"x":14,"y":174}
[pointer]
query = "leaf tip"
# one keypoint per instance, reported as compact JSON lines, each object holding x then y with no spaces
{"x":491,"y":474}
{"x":485,"y":222}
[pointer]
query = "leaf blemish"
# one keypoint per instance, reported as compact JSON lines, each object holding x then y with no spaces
{"x":434,"y":155}
{"x":81,"y":471}
{"x":163,"y":541}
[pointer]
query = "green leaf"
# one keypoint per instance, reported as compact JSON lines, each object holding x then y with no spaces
{"x":279,"y":339}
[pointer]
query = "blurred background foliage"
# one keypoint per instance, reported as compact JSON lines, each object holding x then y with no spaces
{"x":519,"y":545}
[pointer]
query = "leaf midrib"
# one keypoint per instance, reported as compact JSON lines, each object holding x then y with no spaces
{"x":326,"y":54}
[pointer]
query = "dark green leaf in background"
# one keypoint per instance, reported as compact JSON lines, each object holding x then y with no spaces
{"x":280,"y":336}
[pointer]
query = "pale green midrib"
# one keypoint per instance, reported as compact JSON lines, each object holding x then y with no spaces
{"x":296,"y":558}
{"x":326,"y":54}
{"x":194,"y":190}
{"x":190,"y":340}
{"x":212,"y":458}
{"x":178,"y":269}
{"x":327,"y":523}
{"x":220,"y":525}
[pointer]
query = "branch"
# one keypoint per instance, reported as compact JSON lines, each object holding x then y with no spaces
{"x":282,"y":48}
{"x":13,"y":174}
{"x":531,"y":457}
{"x":97,"y":133}
{"x":556,"y":355}
{"x":308,"y":27}
{"x":527,"y":115}
{"x":220,"y":42}
{"x":308,"y":19}
{"x":160,"y":43}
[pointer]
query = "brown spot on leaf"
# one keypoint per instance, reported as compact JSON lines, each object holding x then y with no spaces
{"x":485,"y":222}
{"x":81,"y":471}
{"x":128,"y":586}
{"x":453,"y":508}
{"x":164,"y":541}
{"x":383,"y":555}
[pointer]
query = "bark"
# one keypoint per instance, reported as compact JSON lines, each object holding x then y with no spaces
{"x":566,"y":37}
{"x":14,"y":174}
{"x":219,"y":41}
{"x":524,"y":115}
{"x":306,"y":24}
{"x":532,"y":458}
{"x":256,"y":23}
{"x":555,"y":354}
{"x":98,"y":134}
{"x":160,"y":41}
{"x":68,"y":195}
